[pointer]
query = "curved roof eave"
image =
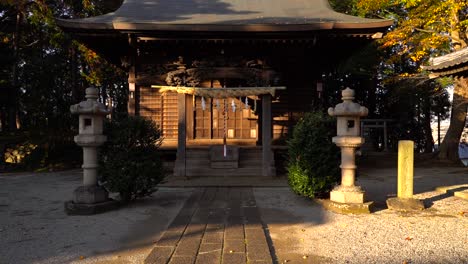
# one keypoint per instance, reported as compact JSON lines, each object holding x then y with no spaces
{"x":136,"y":26}
{"x":450,"y":60}
{"x":224,"y":15}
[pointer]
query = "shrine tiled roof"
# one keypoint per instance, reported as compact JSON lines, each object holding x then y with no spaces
{"x":224,"y":15}
{"x":449,"y":64}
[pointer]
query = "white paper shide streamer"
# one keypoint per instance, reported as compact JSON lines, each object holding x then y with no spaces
{"x":233,"y":105}
{"x":203,"y":103}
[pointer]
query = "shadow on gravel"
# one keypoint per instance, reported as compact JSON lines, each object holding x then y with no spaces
{"x":449,"y":193}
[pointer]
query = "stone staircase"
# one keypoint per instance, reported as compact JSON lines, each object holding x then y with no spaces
{"x":198,"y":163}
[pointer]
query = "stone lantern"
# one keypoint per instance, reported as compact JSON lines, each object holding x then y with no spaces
{"x":90,"y":198}
{"x":347,"y":197}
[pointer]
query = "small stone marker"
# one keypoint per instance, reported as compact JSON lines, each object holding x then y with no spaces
{"x":405,"y":201}
{"x":405,"y":168}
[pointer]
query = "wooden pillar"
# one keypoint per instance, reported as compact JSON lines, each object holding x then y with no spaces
{"x":190,"y":118}
{"x":133,"y":98}
{"x":268,"y":163}
{"x":180,"y":166}
{"x":137,"y":100}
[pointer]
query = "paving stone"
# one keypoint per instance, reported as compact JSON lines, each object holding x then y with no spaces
{"x":234,"y":258}
{"x":213,"y":237}
{"x":234,"y":231}
{"x":209,"y":258}
{"x":215,"y":228}
{"x":255,"y":234}
{"x":208,"y":197}
{"x":235,"y":194}
{"x":258,"y":252}
{"x":187,"y":247}
{"x":159,"y":255}
{"x":169,"y":239}
{"x":248,"y":198}
{"x":177,"y":228}
{"x":207,"y":248}
{"x":223,"y":194}
{"x":182,"y":260}
{"x":235,"y":212}
{"x":234,"y":204}
{"x":235,"y":220}
{"x":262,"y":261}
{"x":234,"y":245}
{"x":209,"y":253}
{"x":252,"y":225}
{"x":180,"y":222}
{"x":195,"y":230}
{"x":252,"y":214}
{"x":200,"y":216}
{"x":217,"y":204}
{"x":217,"y":225}
{"x":217,"y":215}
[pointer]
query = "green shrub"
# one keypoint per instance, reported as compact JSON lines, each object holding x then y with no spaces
{"x":129,"y":160}
{"x":313,"y":165}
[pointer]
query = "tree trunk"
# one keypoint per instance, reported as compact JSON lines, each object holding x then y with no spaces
{"x":449,"y":146}
{"x":76,"y":97}
{"x":13,"y":120}
{"x":428,"y":140}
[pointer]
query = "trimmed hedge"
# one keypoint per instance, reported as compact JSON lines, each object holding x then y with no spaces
{"x":129,"y":162}
{"x":313,"y":165}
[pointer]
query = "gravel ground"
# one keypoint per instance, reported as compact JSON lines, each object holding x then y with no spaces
{"x":302,"y":232}
{"x":35,"y":229}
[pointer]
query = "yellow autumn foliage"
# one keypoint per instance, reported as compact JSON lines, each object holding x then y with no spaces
{"x":423,"y":28}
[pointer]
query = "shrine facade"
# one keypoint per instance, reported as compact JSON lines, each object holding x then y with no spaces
{"x":225,"y":72}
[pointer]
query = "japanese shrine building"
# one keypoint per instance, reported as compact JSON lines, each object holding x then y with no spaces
{"x":215,"y":71}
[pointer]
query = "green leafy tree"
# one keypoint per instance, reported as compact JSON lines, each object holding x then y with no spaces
{"x":423,"y":29}
{"x":43,"y":72}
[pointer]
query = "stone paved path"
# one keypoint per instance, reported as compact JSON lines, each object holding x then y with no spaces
{"x":216,"y":225}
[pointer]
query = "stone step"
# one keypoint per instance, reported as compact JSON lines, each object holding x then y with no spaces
{"x":250,"y":163}
{"x":197,"y":163}
{"x":206,"y":163}
{"x":200,"y":172}
{"x":197,"y":155}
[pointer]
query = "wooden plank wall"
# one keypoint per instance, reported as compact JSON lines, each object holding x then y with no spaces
{"x":287,"y":108}
{"x":162,"y":108}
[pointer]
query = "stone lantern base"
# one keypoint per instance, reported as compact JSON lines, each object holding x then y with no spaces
{"x":348,"y":208}
{"x":348,"y":200}
{"x":351,"y":194}
{"x":89,"y":200}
